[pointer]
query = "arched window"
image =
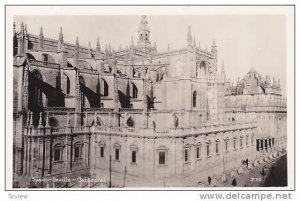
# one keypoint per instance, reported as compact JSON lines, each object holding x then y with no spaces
{"x":201,"y":69}
{"x":195,"y":99}
{"x":105,"y":88}
{"x":134,"y":91}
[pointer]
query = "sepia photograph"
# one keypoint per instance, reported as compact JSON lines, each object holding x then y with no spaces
{"x":150,"y":100}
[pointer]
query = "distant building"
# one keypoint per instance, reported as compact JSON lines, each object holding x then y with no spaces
{"x":136,"y":116}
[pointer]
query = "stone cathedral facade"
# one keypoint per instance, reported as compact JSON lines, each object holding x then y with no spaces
{"x":135,"y":116}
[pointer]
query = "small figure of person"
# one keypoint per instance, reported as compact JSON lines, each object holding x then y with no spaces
{"x":233,"y":182}
{"x":209,"y":180}
{"x":247,"y":162}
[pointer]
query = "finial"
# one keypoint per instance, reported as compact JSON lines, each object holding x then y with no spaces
{"x":169,"y":47}
{"x":132,"y":43}
{"x":98,"y":46}
{"x":77,"y":41}
{"x":41,"y":32}
{"x":61,"y":36}
{"x":41,"y":120}
{"x":31,"y":119}
{"x":47,"y":121}
{"x":89,"y":46}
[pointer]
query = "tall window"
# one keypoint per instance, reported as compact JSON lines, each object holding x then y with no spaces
{"x":207,"y":149}
{"x":102,"y":152}
{"x":117,"y":154}
{"x":133,"y":156}
{"x":186,"y":155}
{"x":217,"y":147}
{"x":195,"y":99}
{"x":234,"y":143}
{"x":117,"y":151}
{"x":57,"y":152}
{"x":241,"y":142}
{"x":162,"y":158}
{"x":226,"y":145}
{"x":198,"y":151}
{"x":77,"y":150}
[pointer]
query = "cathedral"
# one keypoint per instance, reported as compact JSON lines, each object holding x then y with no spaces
{"x":136,"y":117}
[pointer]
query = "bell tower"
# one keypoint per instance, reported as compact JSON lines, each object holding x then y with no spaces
{"x":144,"y":34}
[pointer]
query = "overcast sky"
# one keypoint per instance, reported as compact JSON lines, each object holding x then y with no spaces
{"x":243,"y":41}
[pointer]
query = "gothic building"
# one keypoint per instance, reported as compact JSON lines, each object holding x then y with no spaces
{"x":136,"y":116}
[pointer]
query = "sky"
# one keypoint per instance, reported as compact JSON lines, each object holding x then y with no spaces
{"x":243,"y":41}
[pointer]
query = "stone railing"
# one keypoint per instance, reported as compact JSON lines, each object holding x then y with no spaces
{"x":43,"y":64}
{"x":140,"y":132}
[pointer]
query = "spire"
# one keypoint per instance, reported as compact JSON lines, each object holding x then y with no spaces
{"x":61,"y":36}
{"x":169,"y":47}
{"x":106,"y":51}
{"x":278,"y":83}
{"x":41,"y":32}
{"x":120,"y":47}
{"x":41,"y":39}
{"x":25,"y":29}
{"x":222,"y":67}
{"x":22,"y":29}
{"x":109,"y":48}
{"x":90,"y":49}
{"x":194,"y":42}
{"x":189,"y":37}
{"x":98,"y":47}
{"x":214,"y":48}
{"x":77,"y":45}
{"x":199,"y":45}
{"x":132,"y":43}
{"x":60,"y":46}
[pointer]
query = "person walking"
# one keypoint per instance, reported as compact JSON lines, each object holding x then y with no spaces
{"x":209,"y":180}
